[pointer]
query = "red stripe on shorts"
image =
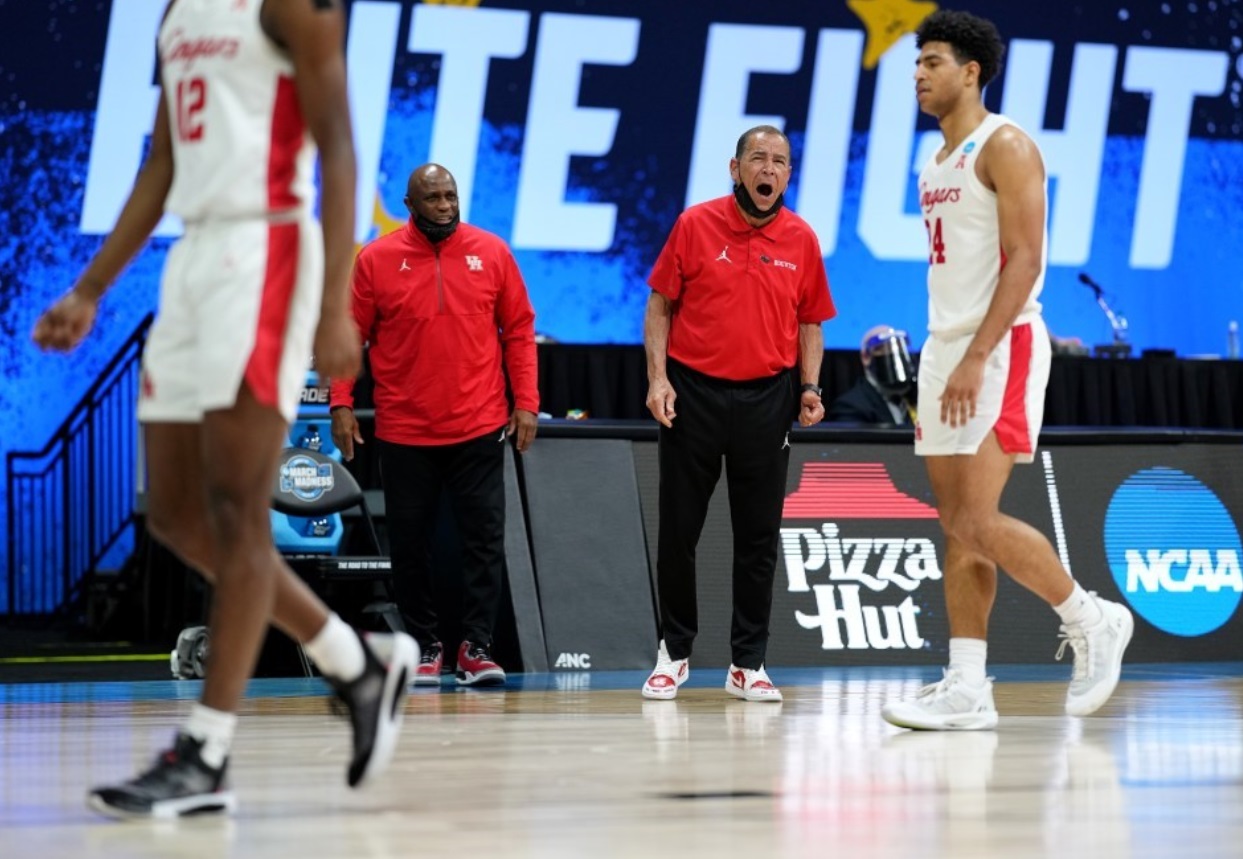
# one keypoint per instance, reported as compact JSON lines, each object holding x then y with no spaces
{"x":284,"y":144}
{"x":263,"y":368}
{"x":1013,"y":433}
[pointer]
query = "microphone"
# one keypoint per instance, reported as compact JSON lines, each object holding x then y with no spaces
{"x":1117,"y":321}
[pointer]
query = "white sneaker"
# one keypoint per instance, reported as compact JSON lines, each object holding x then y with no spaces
{"x":751,"y":684}
{"x":948,"y":705}
{"x":1098,"y":657}
{"x":666,"y":677}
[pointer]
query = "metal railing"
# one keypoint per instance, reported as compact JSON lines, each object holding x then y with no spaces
{"x":72,"y":504}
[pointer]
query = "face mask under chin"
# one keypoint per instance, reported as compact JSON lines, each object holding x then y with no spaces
{"x":743,"y":196}
{"x":435,"y":231}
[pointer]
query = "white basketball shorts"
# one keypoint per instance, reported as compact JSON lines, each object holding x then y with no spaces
{"x":1010,"y":403}
{"x":239,"y":302}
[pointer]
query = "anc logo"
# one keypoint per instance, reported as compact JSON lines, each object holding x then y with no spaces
{"x":1174,"y":551}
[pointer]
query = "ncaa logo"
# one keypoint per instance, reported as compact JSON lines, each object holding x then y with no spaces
{"x":305,"y":479}
{"x":1174,"y":551}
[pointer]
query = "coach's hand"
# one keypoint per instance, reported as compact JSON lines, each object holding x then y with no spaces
{"x":345,"y":432}
{"x":811,"y":409}
{"x":660,"y":399}
{"x":524,"y":425}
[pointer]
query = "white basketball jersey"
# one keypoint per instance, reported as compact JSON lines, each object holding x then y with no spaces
{"x":240,"y":145}
{"x":964,"y":239}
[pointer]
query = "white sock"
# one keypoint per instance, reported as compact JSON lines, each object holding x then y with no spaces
{"x":214,"y":728}
{"x":1080,"y":609}
{"x":968,"y":656}
{"x":337,"y":650}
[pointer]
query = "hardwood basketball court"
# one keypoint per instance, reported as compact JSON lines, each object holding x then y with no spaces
{"x":579,"y":765}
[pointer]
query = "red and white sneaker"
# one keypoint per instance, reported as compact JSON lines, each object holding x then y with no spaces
{"x":427,"y":672}
{"x":476,"y":668}
{"x":751,"y":684}
{"x":666,"y":677}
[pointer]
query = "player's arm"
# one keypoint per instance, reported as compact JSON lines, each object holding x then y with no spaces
{"x":1014,"y":170}
{"x":67,"y":321}
{"x":313,"y":34}
{"x":1011,"y":166}
{"x":140,"y":215}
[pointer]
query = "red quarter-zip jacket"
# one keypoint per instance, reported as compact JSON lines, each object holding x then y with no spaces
{"x":440,"y":319}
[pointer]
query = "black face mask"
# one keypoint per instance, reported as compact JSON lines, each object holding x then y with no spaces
{"x":743,"y":196}
{"x":435,"y":231}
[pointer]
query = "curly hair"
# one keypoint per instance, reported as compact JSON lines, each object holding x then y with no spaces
{"x":970,"y":37}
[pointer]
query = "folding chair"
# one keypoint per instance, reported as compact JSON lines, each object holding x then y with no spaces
{"x":312,"y":486}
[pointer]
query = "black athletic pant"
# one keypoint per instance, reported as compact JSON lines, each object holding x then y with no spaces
{"x":473,"y":474}
{"x":746,"y":424}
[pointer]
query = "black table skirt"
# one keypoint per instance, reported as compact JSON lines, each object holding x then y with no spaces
{"x":611,"y":382}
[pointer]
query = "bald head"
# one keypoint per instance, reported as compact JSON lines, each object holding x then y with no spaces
{"x":428,"y":173}
{"x":431,"y":194}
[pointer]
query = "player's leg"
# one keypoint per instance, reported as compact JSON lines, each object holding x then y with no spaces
{"x":290,"y":270}
{"x":1097,"y":630}
{"x":177,"y":517}
{"x":189,"y":777}
{"x":972,"y":516}
{"x":963,"y":698}
{"x":237,"y":450}
{"x":241,"y":448}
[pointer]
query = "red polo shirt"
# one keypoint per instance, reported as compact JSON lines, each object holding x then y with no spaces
{"x":739,"y":292}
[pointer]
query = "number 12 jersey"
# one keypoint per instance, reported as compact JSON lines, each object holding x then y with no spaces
{"x":240,"y":145}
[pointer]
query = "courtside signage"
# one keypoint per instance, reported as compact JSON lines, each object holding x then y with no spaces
{"x":1174,"y":551}
{"x":861,"y":550}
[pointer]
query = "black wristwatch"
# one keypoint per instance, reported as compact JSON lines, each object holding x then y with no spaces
{"x":815,"y":389}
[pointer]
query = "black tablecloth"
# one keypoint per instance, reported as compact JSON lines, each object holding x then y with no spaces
{"x":611,"y":382}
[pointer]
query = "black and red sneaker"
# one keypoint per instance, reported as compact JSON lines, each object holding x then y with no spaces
{"x":427,"y":672}
{"x":475,"y":666}
{"x":178,"y":784}
{"x":375,"y":702}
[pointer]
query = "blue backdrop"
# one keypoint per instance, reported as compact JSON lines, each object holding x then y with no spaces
{"x":579,"y":137}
